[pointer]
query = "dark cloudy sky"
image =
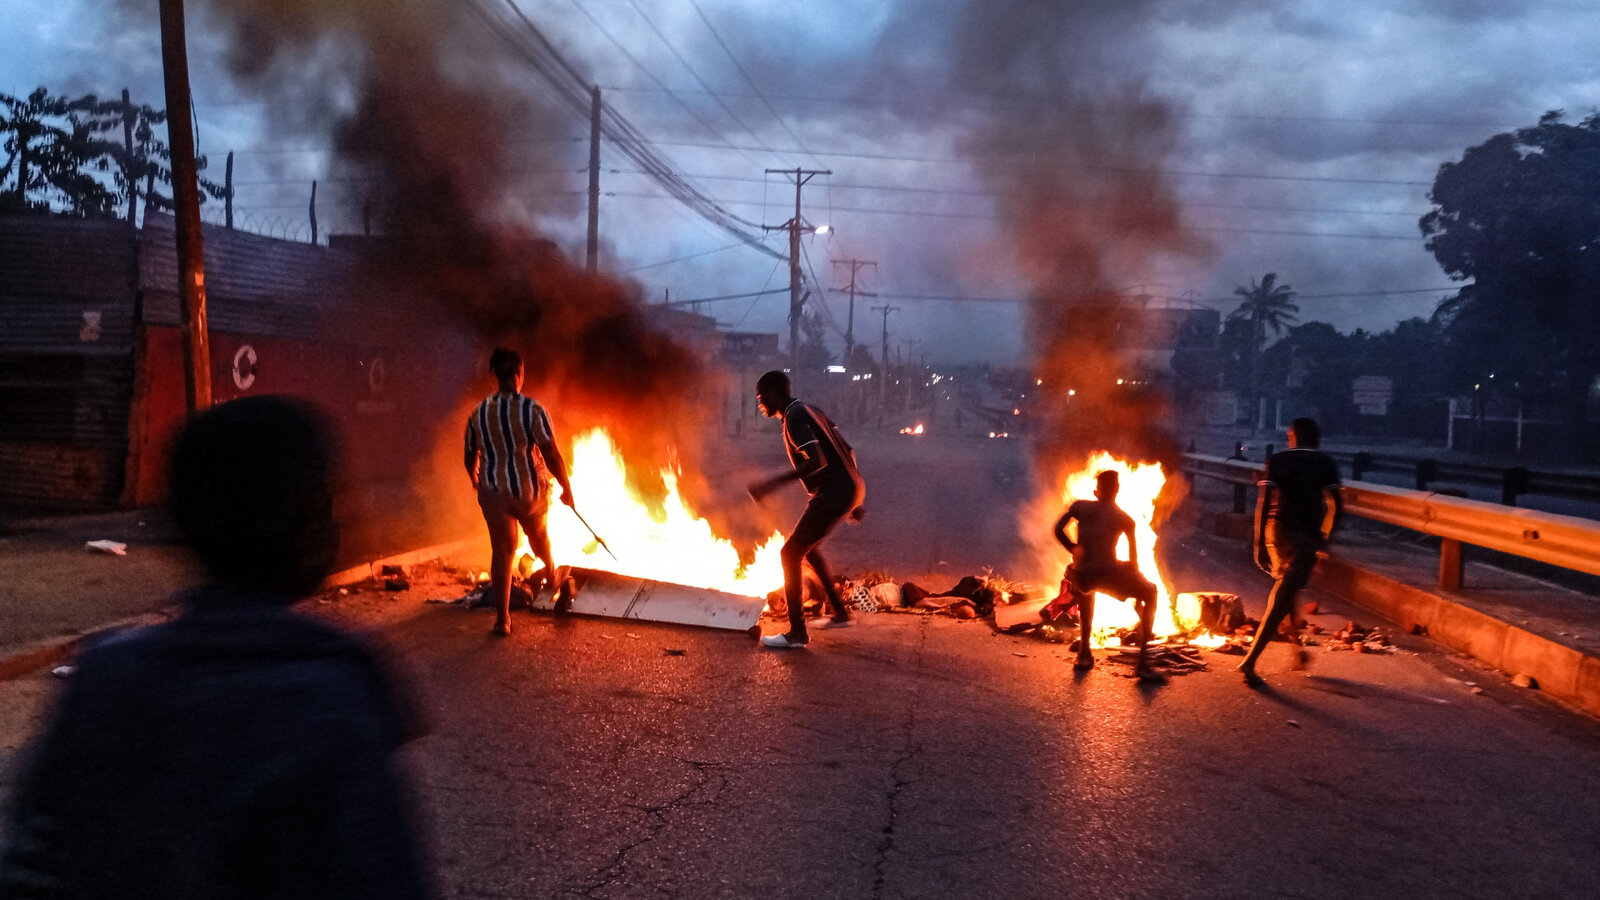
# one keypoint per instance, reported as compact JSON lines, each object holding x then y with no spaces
{"x":1296,"y":137}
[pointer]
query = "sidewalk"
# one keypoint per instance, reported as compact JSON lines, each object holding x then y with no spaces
{"x":55,"y":592}
{"x":1536,"y":632}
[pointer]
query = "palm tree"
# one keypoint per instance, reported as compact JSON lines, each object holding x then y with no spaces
{"x":1266,"y":305}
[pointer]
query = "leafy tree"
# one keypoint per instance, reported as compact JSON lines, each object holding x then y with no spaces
{"x":78,"y":151}
{"x":55,"y":146}
{"x":861,"y":359}
{"x":29,"y":130}
{"x":1266,"y":305}
{"x":1519,"y":215}
{"x":813,"y":353}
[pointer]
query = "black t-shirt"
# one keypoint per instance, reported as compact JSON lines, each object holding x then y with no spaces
{"x":805,"y":425}
{"x":1300,"y":475}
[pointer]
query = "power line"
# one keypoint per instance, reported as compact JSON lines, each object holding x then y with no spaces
{"x":948,"y":160}
{"x":983,"y":102}
{"x":958,"y":298}
{"x":712,"y":129}
{"x":930,"y":214}
{"x":725,"y":108}
{"x":668,"y":262}
{"x":960,"y":192}
{"x":748,"y":80}
{"x":530,"y":43}
{"x":761,"y":293}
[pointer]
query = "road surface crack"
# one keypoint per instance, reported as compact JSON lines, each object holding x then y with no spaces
{"x":707,"y":775}
{"x":909,"y":750}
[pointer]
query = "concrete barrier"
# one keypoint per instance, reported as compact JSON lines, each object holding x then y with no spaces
{"x":1565,"y":673}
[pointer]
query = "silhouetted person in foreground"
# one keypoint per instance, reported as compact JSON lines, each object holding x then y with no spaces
{"x":241,"y":750}
{"x":1297,"y":509}
{"x":826,"y":466}
{"x":511,"y":454}
{"x":1095,"y":567}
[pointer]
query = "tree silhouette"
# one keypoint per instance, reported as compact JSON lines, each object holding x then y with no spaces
{"x":1519,"y":214}
{"x":55,"y":146}
{"x":29,"y":131}
{"x":1266,"y":305}
{"x":813,"y":354}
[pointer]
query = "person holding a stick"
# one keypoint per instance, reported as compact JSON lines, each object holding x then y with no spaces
{"x":511,"y":454}
{"x":826,"y":466}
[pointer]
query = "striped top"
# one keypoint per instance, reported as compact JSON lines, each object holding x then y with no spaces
{"x":502,"y":436}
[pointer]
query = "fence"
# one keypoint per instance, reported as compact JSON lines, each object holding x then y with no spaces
{"x":1568,"y":542}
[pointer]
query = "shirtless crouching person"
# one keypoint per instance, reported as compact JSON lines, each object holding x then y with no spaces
{"x":1095,"y":567}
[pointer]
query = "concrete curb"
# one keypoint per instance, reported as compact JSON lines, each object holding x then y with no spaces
{"x":1567,"y":674}
{"x":409,"y":558}
{"x":25,"y":659}
{"x":31,"y":657}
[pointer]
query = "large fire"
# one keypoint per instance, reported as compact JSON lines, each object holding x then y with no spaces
{"x":1141,"y":486}
{"x":667,"y":544}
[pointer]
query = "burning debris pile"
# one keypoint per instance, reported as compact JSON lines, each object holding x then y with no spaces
{"x":973,"y":597}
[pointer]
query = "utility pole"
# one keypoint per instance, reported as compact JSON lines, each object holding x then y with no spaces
{"x":594,"y":177}
{"x":795,"y":226}
{"x":883,"y":376}
{"x":186,"y":204}
{"x":850,"y":323}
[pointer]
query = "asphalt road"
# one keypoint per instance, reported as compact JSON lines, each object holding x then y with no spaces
{"x":918,"y":756}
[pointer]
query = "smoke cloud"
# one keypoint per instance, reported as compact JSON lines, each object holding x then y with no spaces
{"x":430,"y":113}
{"x":1086,"y":213}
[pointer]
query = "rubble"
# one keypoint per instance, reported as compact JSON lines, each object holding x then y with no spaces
{"x":1165,"y":659}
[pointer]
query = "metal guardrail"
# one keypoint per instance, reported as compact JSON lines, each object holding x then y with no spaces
{"x":1565,"y":541}
{"x":1513,"y":481}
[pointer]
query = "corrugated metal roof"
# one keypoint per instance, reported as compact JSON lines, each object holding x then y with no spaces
{"x":51,"y":256}
{"x":46,"y":475}
{"x":254,"y":284}
{"x":65,"y":324}
{"x":79,"y":400}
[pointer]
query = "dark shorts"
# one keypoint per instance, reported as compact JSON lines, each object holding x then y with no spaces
{"x":822,"y":514}
{"x":1292,"y":552}
{"x":1122,"y":581}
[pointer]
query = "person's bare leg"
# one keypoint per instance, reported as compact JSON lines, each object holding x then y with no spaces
{"x":502,"y":545}
{"x":1279,"y":604}
{"x":830,"y":590}
{"x":1085,"y":626}
{"x":1147,"y":620}
{"x":539,"y":543}
{"x":1142,"y":607}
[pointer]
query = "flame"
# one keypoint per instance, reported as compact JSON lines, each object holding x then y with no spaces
{"x":916,"y":430}
{"x":669,"y":544}
{"x":1141,"y":485}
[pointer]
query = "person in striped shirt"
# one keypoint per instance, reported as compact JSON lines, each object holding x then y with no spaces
{"x":826,"y":466}
{"x":511,"y":454}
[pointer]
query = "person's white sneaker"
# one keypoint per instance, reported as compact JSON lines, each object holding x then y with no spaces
{"x":781,"y":642}
{"x":833,"y":623}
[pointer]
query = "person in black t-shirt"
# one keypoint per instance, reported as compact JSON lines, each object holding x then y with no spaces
{"x":826,"y":466}
{"x":1297,"y":510}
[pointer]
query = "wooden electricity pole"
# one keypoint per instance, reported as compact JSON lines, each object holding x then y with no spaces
{"x":883,"y":383}
{"x":594,"y":178}
{"x":186,"y":206}
{"x":795,"y":226}
{"x":854,"y":292}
